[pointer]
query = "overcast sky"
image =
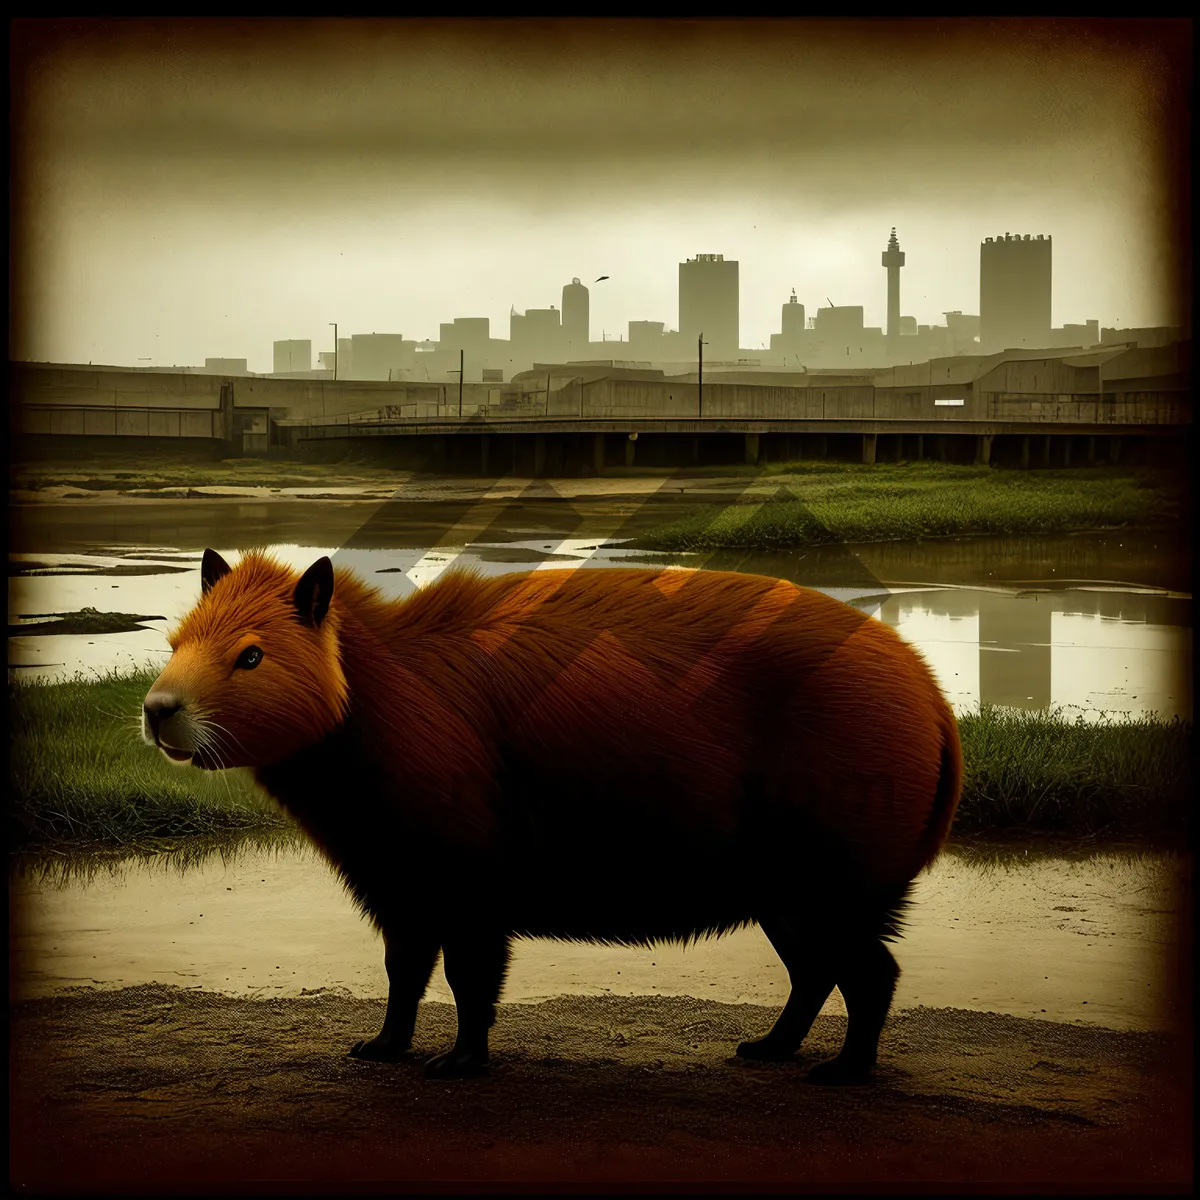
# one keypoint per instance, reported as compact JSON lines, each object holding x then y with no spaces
{"x":199,"y":190}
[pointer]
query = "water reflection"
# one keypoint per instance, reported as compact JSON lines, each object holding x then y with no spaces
{"x":1084,"y":651}
{"x":1086,"y":647}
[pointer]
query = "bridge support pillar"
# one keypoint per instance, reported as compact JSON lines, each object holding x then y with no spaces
{"x":1025,"y":453}
{"x":1066,"y":443}
{"x":983,"y":449}
{"x":1114,"y":450}
{"x":752,"y":449}
{"x":227,"y":423}
{"x":483,"y":453}
{"x":920,"y":447}
{"x":869,"y":441}
{"x":598,"y":453}
{"x":539,"y":455}
{"x":1091,"y":450}
{"x":695,"y":448}
{"x":630,"y":446}
{"x":1045,"y":455}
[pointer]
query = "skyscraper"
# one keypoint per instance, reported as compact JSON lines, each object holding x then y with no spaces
{"x":1014,"y":293}
{"x":293,"y":355}
{"x":576,"y":316}
{"x":791,"y":325}
{"x":709,"y":304}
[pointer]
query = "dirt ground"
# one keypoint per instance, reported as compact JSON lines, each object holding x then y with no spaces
{"x":160,"y":1089}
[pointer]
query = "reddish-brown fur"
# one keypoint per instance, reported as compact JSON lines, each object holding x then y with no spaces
{"x":605,"y":754}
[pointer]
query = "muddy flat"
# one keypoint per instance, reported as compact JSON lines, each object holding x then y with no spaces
{"x":155,"y":1088}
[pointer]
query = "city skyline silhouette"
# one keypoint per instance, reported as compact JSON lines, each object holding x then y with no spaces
{"x":192,"y":189}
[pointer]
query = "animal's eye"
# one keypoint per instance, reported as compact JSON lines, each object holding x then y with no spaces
{"x":249,"y":658}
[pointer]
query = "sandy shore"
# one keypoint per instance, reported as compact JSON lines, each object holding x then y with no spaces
{"x":162,"y":1088}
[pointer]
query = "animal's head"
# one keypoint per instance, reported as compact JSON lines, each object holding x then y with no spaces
{"x":254,"y":674}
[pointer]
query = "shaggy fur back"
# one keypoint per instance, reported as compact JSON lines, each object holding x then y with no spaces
{"x":602,"y":753}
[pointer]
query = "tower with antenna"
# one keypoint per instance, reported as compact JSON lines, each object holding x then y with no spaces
{"x":893,"y":260}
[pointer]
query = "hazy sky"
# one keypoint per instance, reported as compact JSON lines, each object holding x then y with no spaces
{"x":200,"y":189}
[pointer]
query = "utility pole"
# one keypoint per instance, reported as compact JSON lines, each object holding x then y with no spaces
{"x":460,"y":379}
{"x":335,"y":350}
{"x":700,"y":344}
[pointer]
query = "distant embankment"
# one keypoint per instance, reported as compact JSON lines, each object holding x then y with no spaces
{"x":1027,"y":411}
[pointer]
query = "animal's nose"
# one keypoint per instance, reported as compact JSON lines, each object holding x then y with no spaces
{"x":158,"y":707}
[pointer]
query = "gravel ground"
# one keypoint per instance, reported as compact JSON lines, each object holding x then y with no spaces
{"x":157,"y":1089}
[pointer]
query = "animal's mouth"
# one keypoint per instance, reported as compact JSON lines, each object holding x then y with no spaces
{"x":174,"y":753}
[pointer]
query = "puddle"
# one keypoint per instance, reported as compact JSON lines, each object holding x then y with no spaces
{"x":1089,"y":648}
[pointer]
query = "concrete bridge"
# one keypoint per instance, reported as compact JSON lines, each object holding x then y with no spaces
{"x":1029,"y":408}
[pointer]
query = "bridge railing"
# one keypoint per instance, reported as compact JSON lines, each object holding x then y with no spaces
{"x":1142,"y":407}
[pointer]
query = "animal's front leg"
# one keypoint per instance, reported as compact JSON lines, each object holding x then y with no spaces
{"x":409,"y":958}
{"x":475,"y":961}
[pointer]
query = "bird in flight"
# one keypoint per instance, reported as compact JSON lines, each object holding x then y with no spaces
{"x":602,"y":277}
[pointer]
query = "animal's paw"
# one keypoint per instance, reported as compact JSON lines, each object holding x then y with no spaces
{"x":458,"y":1064}
{"x":765,"y":1050}
{"x":381,"y":1049}
{"x":837,"y":1073}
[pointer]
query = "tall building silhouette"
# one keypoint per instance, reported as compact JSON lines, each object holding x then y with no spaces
{"x":709,"y":304}
{"x":893,"y":260}
{"x":536,"y":335}
{"x":1014,"y":293}
{"x":791,"y":325}
{"x":375,"y":355}
{"x":576,"y":315}
{"x":471,"y":335}
{"x":292,"y":355}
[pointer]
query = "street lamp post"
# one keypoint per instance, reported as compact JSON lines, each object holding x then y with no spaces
{"x":700,"y":344}
{"x":335,"y":350}
{"x":460,"y":382}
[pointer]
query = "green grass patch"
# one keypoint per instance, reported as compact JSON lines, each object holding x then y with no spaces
{"x":816,"y":503}
{"x":80,"y":775}
{"x":79,"y":772}
{"x":1036,"y":771}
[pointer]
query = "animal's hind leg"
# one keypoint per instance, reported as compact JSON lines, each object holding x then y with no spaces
{"x":475,"y":961}
{"x":866,"y":977}
{"x":811,"y":968}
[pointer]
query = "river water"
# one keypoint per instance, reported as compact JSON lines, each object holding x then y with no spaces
{"x":1092,"y":624}
{"x":1098,"y":625}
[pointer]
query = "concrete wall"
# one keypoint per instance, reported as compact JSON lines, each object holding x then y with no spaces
{"x":1038,"y":376}
{"x":112,"y":422}
{"x":54,"y":399}
{"x":630,"y":398}
{"x":292,"y":398}
{"x":1118,"y":408}
{"x":112,"y":389}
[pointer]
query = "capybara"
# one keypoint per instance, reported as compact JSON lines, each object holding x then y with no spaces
{"x":599,"y":754}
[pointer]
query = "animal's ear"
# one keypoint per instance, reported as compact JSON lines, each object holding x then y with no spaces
{"x":212,"y":568}
{"x":314,"y":592}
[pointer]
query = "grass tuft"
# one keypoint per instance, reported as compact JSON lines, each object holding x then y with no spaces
{"x":1038,"y":771}
{"x":80,"y":774}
